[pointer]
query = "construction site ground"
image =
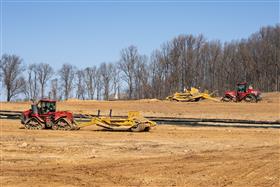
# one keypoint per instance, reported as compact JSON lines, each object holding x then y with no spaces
{"x":168,"y":155}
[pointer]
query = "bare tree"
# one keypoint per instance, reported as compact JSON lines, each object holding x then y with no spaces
{"x":11,"y":69}
{"x":128,"y":60}
{"x":116,"y":84}
{"x":67,"y":74}
{"x":80,"y":92}
{"x":90,"y":81}
{"x":106,"y":77}
{"x":141,"y":75}
{"x":45,"y":72}
{"x":99,"y":84}
{"x":54,"y":89}
{"x":32,"y":82}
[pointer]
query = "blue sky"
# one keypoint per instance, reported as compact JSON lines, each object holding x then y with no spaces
{"x":87,"y":33}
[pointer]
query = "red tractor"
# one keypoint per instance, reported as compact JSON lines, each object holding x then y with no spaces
{"x":43,"y":115}
{"x":244,"y":92}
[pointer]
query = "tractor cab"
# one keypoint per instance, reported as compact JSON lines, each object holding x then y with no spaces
{"x":44,"y":106}
{"x":241,"y":87}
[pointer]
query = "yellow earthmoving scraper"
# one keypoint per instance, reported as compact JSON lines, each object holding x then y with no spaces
{"x":134,"y":122}
{"x":191,"y":95}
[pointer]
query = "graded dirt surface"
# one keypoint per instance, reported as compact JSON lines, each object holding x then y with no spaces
{"x":165,"y":156}
{"x":168,"y":155}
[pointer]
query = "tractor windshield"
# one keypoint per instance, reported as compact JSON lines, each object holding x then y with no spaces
{"x":47,"y":107}
{"x":241,"y":88}
{"x":52,"y":107}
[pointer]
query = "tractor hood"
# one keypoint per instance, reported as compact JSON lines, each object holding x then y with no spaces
{"x":24,"y":115}
{"x":231,"y":93}
{"x":255,"y":92}
{"x":66,"y":114}
{"x":26,"y":112}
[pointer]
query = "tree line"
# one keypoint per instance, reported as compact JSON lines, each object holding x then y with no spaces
{"x":180,"y":63}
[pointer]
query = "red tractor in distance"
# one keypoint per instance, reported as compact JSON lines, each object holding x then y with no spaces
{"x":244,"y":92}
{"x":44,"y":115}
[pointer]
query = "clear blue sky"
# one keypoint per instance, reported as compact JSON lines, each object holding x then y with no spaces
{"x":87,"y":33}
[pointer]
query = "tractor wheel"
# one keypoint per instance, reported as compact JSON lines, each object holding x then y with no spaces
{"x":227,"y":99}
{"x":259,"y":98}
{"x":140,"y":127}
{"x":197,"y":99}
{"x":251,"y":99}
{"x":62,"y":124}
{"x":34,"y":124}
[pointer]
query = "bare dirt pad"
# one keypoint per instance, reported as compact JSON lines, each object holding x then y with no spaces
{"x":166,"y":156}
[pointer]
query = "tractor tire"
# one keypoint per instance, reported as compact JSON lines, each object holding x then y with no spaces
{"x":197,"y":99}
{"x":34,"y":124}
{"x":250,"y":99}
{"x":227,"y":99}
{"x":140,"y":127}
{"x":62,"y":124}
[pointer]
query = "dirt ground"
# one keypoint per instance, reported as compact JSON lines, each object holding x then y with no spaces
{"x":165,"y":156}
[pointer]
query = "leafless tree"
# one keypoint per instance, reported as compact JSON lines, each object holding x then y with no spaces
{"x":11,"y":69}
{"x":116,"y":84}
{"x":80,"y":91}
{"x":99,"y":84}
{"x":106,"y":77}
{"x":141,"y":76}
{"x":67,"y":75}
{"x":32,"y":82}
{"x":45,"y":72}
{"x":129,"y":58}
{"x":90,"y":81}
{"x":54,"y":89}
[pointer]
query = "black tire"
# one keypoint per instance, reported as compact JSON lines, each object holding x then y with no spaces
{"x":197,"y":99}
{"x":34,"y":124}
{"x":250,"y":99}
{"x":173,"y":99}
{"x":140,"y":127}
{"x":227,"y":99}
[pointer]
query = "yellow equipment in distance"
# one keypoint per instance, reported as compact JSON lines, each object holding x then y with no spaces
{"x":191,"y":95}
{"x":135,"y":122}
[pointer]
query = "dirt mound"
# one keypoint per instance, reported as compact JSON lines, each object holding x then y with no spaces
{"x":149,"y":100}
{"x":79,"y":100}
{"x":73,"y":100}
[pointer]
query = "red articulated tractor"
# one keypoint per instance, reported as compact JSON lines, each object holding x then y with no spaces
{"x":43,"y":115}
{"x":244,"y":92}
